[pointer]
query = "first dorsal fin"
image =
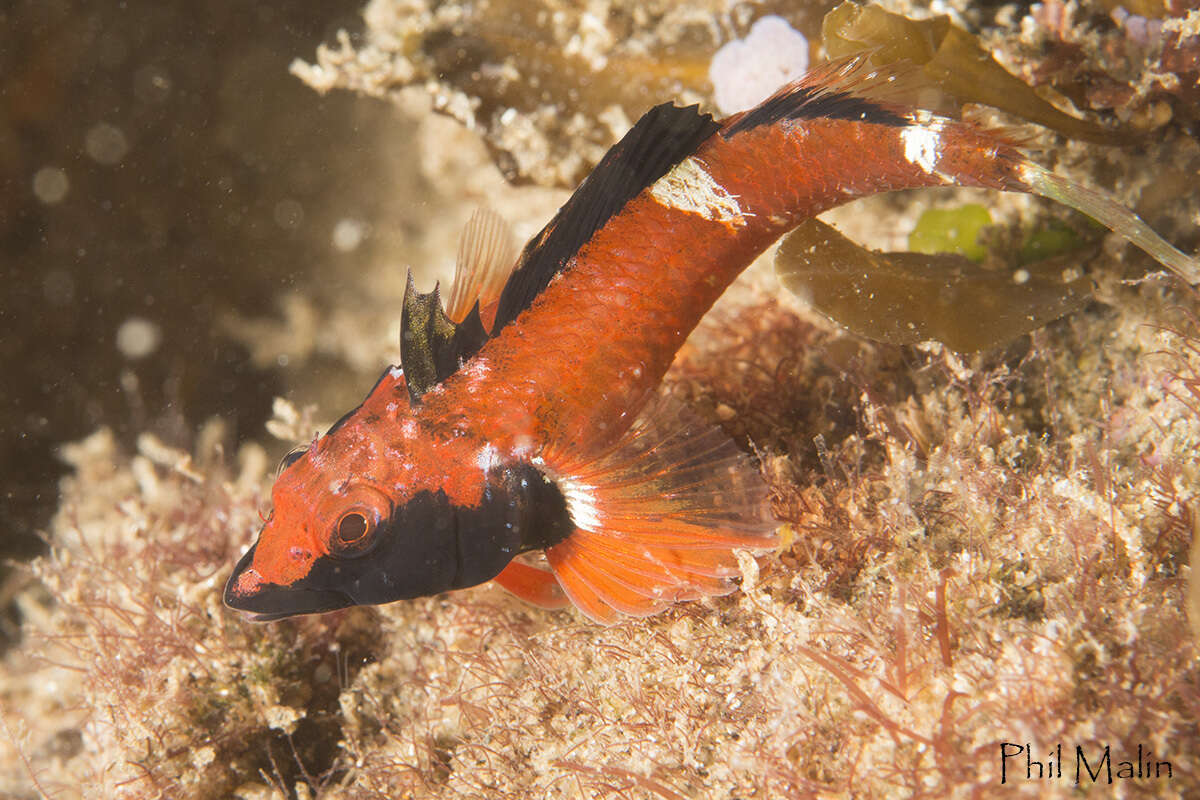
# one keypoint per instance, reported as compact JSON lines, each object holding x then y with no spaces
{"x":662,"y":138}
{"x":432,"y":346}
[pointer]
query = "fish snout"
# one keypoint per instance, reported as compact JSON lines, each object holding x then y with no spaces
{"x":262,"y":601}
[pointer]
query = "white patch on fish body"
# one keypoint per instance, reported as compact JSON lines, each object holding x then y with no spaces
{"x":522,"y":447}
{"x":476,"y":368}
{"x":691,"y":189}
{"x":581,"y":504}
{"x":487,"y":458}
{"x":923,"y":145}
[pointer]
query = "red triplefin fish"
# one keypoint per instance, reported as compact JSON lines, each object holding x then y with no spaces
{"x":525,"y":416}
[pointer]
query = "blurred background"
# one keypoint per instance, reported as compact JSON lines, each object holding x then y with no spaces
{"x":162,"y":171}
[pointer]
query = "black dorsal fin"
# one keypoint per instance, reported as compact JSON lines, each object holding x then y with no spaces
{"x":432,"y":346}
{"x":664,"y":136}
{"x":848,"y":88}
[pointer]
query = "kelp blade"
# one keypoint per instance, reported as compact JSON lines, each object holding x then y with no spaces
{"x":905,"y":298}
{"x":955,"y":67}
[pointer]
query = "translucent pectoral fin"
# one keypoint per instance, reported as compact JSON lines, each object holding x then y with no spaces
{"x":658,"y":517}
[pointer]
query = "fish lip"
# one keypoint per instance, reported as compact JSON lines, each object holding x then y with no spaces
{"x":272,"y":601}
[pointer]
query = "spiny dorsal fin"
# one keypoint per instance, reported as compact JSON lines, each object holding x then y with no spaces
{"x":848,"y":89}
{"x":664,"y":136}
{"x":657,"y":516}
{"x":432,"y":346}
{"x":486,"y":253}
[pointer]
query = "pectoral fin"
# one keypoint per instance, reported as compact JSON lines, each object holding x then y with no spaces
{"x":657,"y":516}
{"x":535,"y":586}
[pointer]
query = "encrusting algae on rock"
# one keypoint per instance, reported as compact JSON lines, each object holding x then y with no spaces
{"x":982,"y":549}
{"x":942,"y":586}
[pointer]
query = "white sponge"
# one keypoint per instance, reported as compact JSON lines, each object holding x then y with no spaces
{"x":744,"y":72}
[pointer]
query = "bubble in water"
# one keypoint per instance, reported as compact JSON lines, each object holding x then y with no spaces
{"x":152,"y":84}
{"x":106,"y":144}
{"x":50,"y":184}
{"x":138,"y":337}
{"x":348,"y":234}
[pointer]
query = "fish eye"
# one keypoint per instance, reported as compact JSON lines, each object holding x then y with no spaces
{"x":352,"y":528}
{"x":352,"y":535}
{"x":356,"y":524}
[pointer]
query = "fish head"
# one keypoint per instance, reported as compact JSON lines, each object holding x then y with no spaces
{"x":313,"y":544}
{"x":382,"y":510}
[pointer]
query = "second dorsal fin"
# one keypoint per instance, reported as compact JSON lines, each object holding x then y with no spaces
{"x":486,"y":254}
{"x":848,"y":88}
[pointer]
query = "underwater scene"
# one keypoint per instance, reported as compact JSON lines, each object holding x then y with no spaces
{"x":600,"y":399}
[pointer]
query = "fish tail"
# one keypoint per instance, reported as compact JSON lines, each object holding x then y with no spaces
{"x":1112,"y":214}
{"x":966,"y":155}
{"x":841,"y":133}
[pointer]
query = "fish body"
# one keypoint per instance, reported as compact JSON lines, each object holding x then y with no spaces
{"x":529,"y":421}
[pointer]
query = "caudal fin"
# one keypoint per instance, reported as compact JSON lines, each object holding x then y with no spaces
{"x":1113,"y":215}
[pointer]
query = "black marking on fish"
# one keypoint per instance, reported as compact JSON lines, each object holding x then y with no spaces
{"x":662,"y":138}
{"x":815,"y":102}
{"x":428,"y":545}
